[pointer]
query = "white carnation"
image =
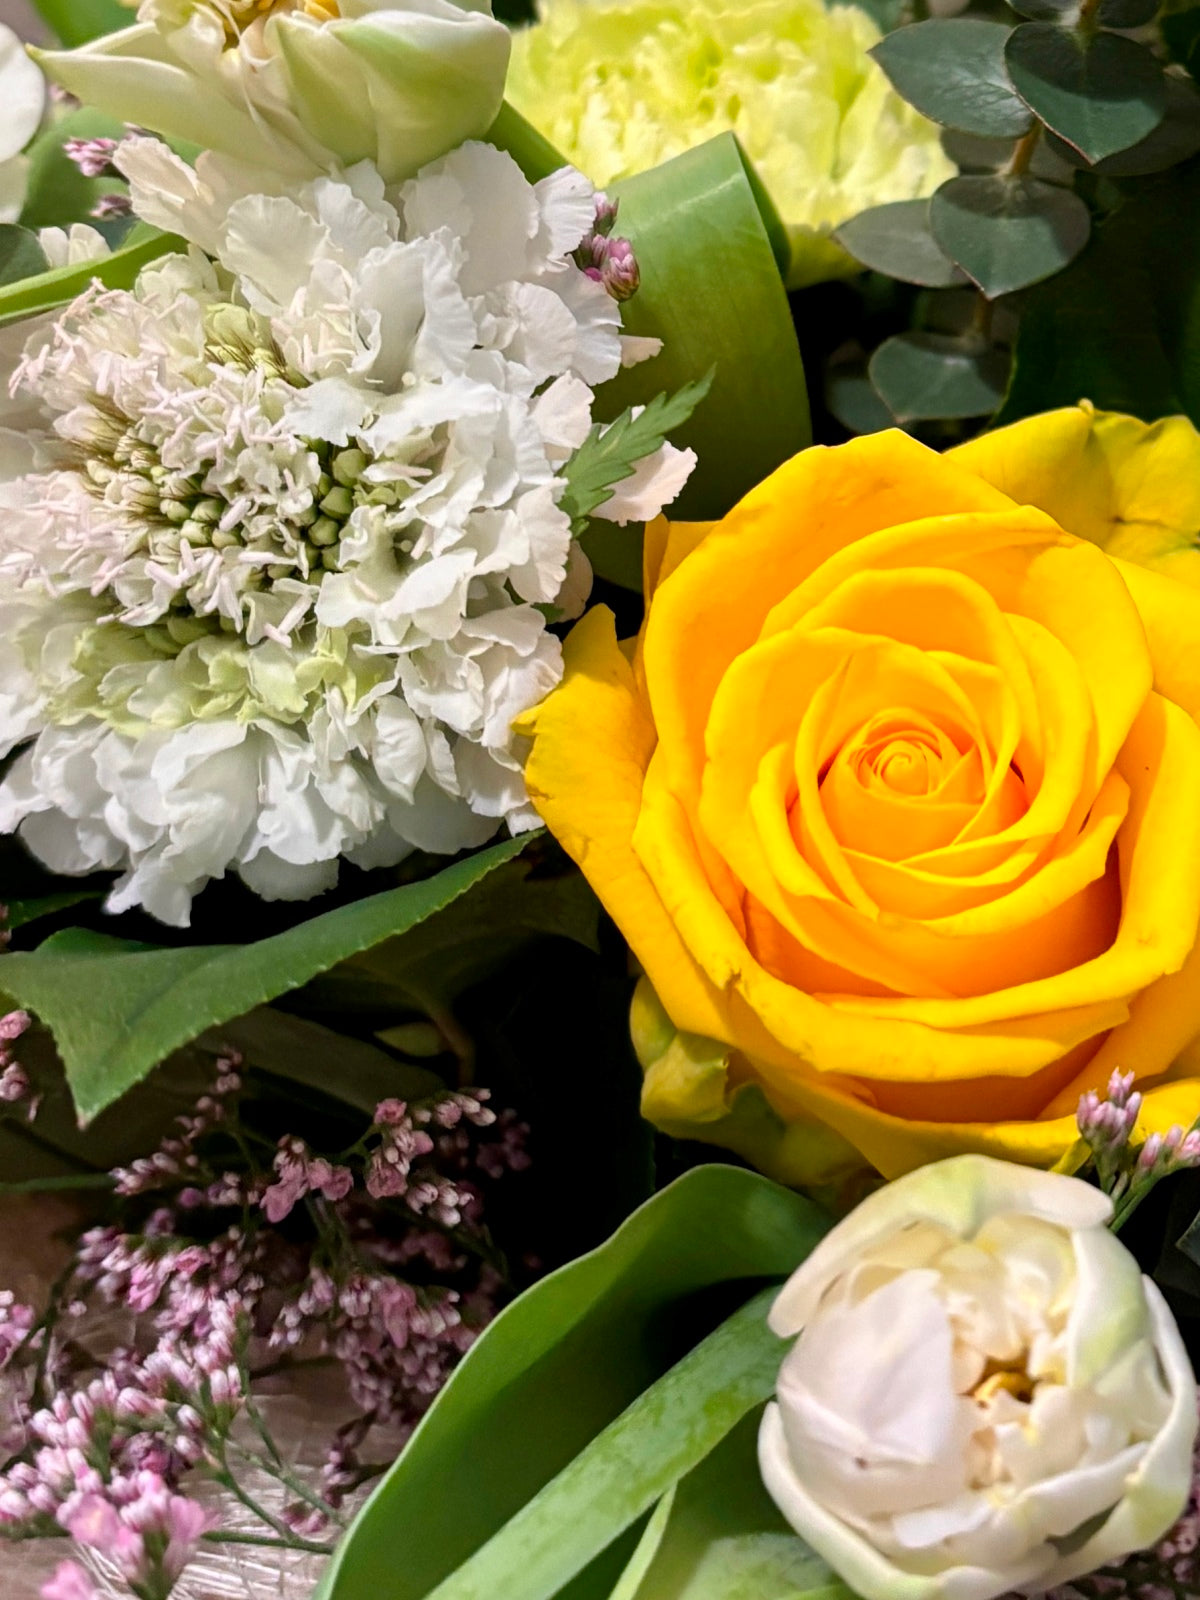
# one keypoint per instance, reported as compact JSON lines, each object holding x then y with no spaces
{"x":275,"y":581}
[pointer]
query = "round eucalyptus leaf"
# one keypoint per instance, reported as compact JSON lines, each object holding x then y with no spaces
{"x":922,"y":376}
{"x":953,"y":70}
{"x":1176,"y":138}
{"x":1006,"y":233}
{"x":972,"y":153}
{"x":852,"y":398}
{"x":1065,"y":12}
{"x":895,"y":239}
{"x":1126,"y":13}
{"x":1101,"y":94}
{"x":21,"y":255}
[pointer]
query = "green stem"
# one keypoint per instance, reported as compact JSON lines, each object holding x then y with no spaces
{"x":266,"y":1541}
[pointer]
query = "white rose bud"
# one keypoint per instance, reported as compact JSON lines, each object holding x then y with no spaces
{"x":301,"y":86}
{"x":984,"y":1393}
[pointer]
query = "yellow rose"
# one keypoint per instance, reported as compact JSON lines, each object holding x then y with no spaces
{"x":897,"y":796}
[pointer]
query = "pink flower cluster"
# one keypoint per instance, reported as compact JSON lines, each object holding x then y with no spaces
{"x":609,"y":260}
{"x":15,"y":1086}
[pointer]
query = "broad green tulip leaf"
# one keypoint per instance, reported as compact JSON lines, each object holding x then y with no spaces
{"x":21,"y":256}
{"x":928,"y":375}
{"x":1006,"y":232}
{"x":1176,"y":138}
{"x":117,"y":271}
{"x":953,"y":70}
{"x":531,"y":150}
{"x":58,"y":193}
{"x":666,"y":1432}
{"x":117,"y":1009}
{"x":19,"y":913}
{"x":558,"y":1367}
{"x":718,"y":1536}
{"x":1101,"y":94}
{"x":74,"y":22}
{"x":712,"y":291}
{"x":1121,"y":327}
{"x":896,"y":239}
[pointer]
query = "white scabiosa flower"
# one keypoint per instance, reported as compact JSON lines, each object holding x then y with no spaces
{"x":275,"y":580}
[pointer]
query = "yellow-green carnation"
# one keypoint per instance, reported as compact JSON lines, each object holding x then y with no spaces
{"x":622,"y":85}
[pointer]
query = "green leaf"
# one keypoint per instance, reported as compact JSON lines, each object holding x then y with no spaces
{"x":625,"y":1470}
{"x":1101,"y":94}
{"x":1007,"y":233}
{"x":74,"y":22}
{"x":1176,"y":138}
{"x":921,"y":376}
{"x":58,"y":193}
{"x":895,"y":239}
{"x":854,"y":401}
{"x":559,"y":1366}
{"x":117,"y":271}
{"x":953,"y":69}
{"x":21,"y":256}
{"x":1121,"y":327}
{"x":718,"y":1536}
{"x":117,"y":1009}
{"x":712,"y":292}
{"x":21,"y":912}
{"x":1126,"y":13}
{"x":1180,"y":27}
{"x":611,"y":452}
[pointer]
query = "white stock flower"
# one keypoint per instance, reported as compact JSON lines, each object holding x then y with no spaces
{"x":277,"y":583}
{"x":984,"y":1393}
{"x":22,"y":105}
{"x":301,"y":86}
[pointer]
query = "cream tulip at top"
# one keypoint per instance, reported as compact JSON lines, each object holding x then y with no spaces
{"x":983,"y":1395}
{"x":301,"y":86}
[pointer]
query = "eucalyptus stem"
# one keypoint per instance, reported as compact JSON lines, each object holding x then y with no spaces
{"x":1023,"y":152}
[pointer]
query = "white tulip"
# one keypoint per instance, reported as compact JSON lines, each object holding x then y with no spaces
{"x":301,"y":86}
{"x":984,"y":1393}
{"x":23,"y":99}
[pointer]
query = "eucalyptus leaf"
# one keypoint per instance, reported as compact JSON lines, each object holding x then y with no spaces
{"x":711,"y":290}
{"x":1101,"y":93}
{"x":1066,"y":12}
{"x":1008,"y":232}
{"x":1126,"y":13}
{"x":953,"y":69}
{"x":76,"y":21}
{"x":929,"y":375}
{"x":19,"y":913}
{"x":559,"y":1366}
{"x":117,"y":271}
{"x":896,"y":239}
{"x":21,"y":256}
{"x":1176,"y":138}
{"x":1180,"y":29}
{"x":117,"y":1009}
{"x":854,"y":400}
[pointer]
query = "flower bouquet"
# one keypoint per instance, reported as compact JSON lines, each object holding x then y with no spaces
{"x":599,"y":770}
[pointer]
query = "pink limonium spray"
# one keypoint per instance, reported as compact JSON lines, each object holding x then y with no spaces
{"x":609,"y":260}
{"x":1127,"y":1172}
{"x":227,"y":1265}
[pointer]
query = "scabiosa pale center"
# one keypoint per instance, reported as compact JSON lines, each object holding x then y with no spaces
{"x":278,"y":583}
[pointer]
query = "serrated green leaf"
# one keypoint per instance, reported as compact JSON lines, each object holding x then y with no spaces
{"x":117,"y":1009}
{"x":74,"y":22}
{"x":1007,"y":232}
{"x":611,"y":452}
{"x":21,"y":256}
{"x":953,"y":70}
{"x":896,"y":239}
{"x":117,"y":271}
{"x":1100,"y":93}
{"x":559,"y":1366}
{"x":929,"y":375}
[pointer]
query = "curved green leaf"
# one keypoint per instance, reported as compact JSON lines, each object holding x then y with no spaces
{"x":76,"y":21}
{"x":559,"y":1366}
{"x":953,"y":69}
{"x":712,"y":292}
{"x":1101,"y":93}
{"x":21,"y":256}
{"x":1006,"y":232}
{"x":58,"y":193}
{"x":117,"y":1009}
{"x":116,"y":271}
